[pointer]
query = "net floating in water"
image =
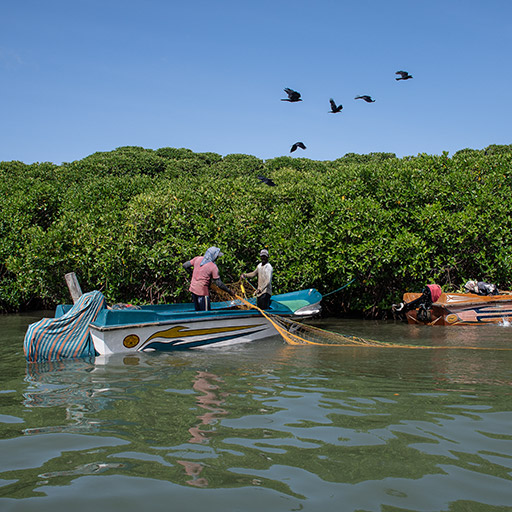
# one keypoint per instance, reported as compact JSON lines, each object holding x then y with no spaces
{"x":297,"y":333}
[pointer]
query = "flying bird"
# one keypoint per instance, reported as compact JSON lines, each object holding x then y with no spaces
{"x":403,"y":75}
{"x":293,"y":96}
{"x":334,"y":108}
{"x":297,"y":145}
{"x":268,"y":181}
{"x":368,"y":99}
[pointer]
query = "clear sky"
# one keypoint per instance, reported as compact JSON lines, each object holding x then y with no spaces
{"x":80,"y":76}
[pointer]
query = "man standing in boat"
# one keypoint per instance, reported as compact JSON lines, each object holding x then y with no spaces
{"x":264,"y":271}
{"x":204,"y":271}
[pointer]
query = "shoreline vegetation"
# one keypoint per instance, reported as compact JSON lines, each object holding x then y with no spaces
{"x":125,"y":220}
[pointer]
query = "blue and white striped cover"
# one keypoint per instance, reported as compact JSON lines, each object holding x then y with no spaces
{"x":66,"y":336}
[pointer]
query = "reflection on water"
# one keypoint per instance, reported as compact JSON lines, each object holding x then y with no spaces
{"x":84,"y":469}
{"x":204,"y":382}
{"x":209,"y":399}
{"x":72,"y":392}
{"x":267,"y":426}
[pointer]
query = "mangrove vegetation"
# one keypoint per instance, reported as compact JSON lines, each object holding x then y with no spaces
{"x":125,"y":220}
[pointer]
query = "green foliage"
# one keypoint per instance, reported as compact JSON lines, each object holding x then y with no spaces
{"x":299,"y":164}
{"x":124,"y":161}
{"x":354,"y":158}
{"x":126,"y":220}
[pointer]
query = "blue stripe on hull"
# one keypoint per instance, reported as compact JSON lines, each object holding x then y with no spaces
{"x":488,"y":314}
{"x":185,"y":345}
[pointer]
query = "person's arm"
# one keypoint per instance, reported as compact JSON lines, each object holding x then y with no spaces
{"x":250,"y":274}
{"x":187,"y":266}
{"x":222,"y":286}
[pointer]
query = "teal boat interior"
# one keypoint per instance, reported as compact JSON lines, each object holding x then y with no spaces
{"x":302,"y":303}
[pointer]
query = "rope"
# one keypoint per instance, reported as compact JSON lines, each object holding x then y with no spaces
{"x":338,"y":289}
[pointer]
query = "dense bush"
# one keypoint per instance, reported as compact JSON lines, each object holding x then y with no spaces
{"x":125,"y":220}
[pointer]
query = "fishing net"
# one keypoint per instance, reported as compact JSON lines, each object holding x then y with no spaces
{"x":298,"y":333}
{"x":218,"y":295}
{"x":293,"y":332}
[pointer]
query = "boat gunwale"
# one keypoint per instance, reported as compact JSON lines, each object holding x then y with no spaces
{"x":475,"y":300}
{"x":479,"y":303}
{"x":205,"y":318}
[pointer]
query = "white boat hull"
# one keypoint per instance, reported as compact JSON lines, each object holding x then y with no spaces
{"x":179,"y":335}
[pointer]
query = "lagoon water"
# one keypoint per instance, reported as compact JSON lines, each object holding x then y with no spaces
{"x":263,"y":426}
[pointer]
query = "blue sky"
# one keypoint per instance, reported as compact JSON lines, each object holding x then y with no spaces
{"x":80,"y":76}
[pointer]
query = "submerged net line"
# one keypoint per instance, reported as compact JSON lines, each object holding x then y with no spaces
{"x":297,"y":333}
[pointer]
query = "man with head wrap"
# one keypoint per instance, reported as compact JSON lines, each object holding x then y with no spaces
{"x":204,"y":271}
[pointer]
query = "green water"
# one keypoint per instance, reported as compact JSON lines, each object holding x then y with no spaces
{"x":263,"y":426}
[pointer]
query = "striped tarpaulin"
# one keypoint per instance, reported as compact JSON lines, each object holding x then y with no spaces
{"x":66,"y":336}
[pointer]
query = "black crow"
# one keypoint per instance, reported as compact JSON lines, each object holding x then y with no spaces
{"x":293,"y":96}
{"x":368,"y":99}
{"x":268,"y":181}
{"x":403,"y":74}
{"x":334,"y":108}
{"x":297,"y":145}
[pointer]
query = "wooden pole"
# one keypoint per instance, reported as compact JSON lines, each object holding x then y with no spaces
{"x":73,"y":286}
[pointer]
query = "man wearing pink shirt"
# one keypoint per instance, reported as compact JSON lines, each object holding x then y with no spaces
{"x":204,"y":271}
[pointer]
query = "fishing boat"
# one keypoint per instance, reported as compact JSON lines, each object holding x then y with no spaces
{"x":90,"y":328}
{"x":462,"y":309}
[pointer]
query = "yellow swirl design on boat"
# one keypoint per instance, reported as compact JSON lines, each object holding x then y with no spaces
{"x":180,"y":331}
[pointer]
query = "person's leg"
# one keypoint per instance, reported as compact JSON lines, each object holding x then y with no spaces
{"x":201,"y":302}
{"x":263,"y":301}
